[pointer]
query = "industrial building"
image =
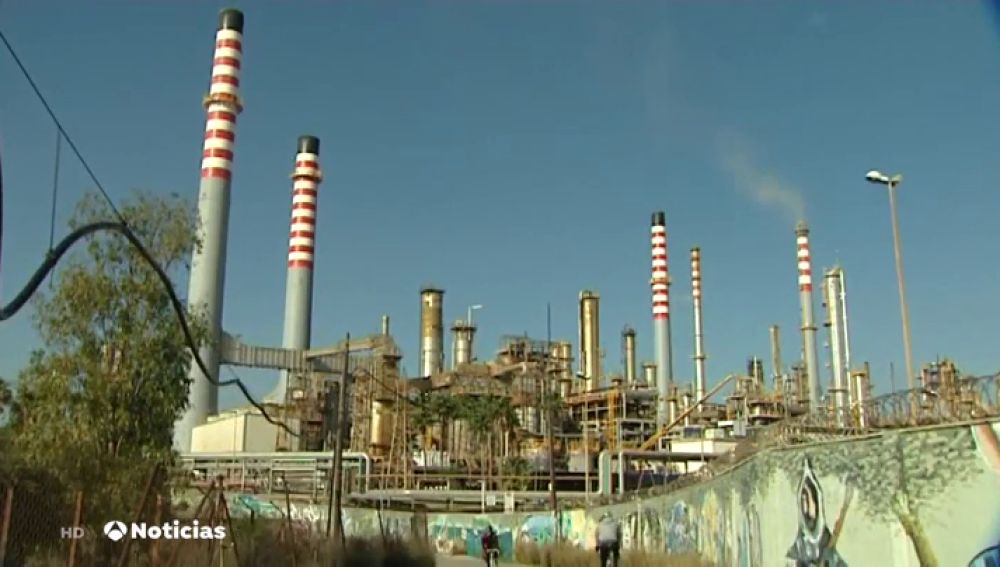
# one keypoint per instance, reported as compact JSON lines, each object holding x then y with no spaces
{"x":499,"y":423}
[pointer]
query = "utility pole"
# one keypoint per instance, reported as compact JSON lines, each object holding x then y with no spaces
{"x":338,"y":451}
{"x":550,"y":429}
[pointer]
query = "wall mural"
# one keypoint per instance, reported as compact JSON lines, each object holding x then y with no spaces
{"x":927,"y":497}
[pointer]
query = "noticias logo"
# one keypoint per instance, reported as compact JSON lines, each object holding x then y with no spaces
{"x":116,"y":531}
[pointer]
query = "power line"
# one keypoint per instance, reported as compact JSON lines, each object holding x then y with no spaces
{"x":121,"y":227}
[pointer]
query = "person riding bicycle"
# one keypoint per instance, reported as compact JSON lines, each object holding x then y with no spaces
{"x":490,"y":542}
{"x":608,"y":536}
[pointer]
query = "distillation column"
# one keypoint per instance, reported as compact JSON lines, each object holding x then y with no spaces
{"x":301,"y":248}
{"x":833,"y":300}
{"x":462,"y":335}
{"x":590,"y":339}
{"x":431,"y":331}
{"x":808,"y":324}
{"x":628,"y":336}
{"x":776,"y":365}
{"x":660,"y":283}
{"x":208,"y":261}
{"x":699,"y":335}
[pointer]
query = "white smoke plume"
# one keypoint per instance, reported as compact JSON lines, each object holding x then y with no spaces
{"x":762,"y":186}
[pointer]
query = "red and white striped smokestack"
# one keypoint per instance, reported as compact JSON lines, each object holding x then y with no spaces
{"x":208,"y":261}
{"x":808,"y":322}
{"x":699,"y":336}
{"x":301,"y":246}
{"x":660,"y":284}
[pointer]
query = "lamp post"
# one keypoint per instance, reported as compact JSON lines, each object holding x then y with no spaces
{"x":891,"y":183}
{"x":470,"y":310}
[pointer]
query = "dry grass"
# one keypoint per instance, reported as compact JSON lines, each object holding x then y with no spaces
{"x":565,"y":555}
{"x":258,"y":546}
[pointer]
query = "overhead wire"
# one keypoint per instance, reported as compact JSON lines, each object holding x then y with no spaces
{"x":121,"y":227}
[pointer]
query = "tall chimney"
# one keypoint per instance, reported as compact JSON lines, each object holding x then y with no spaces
{"x":462,"y":333}
{"x":660,"y":283}
{"x":834,"y":302}
{"x":590,"y":338}
{"x":628,"y":336}
{"x":699,"y":335}
{"x":776,"y":367}
{"x":208,"y":261}
{"x":301,"y":246}
{"x":808,"y":324}
{"x":431,"y":331}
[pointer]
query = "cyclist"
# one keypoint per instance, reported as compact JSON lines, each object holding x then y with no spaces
{"x":608,"y":536}
{"x":490,"y":543}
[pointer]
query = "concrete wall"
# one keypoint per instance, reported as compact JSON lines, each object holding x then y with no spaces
{"x":920,"y":497}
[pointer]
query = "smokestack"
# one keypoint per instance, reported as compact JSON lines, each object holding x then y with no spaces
{"x":385,"y":325}
{"x":462,"y":333}
{"x":660,"y":283}
{"x":699,"y":336}
{"x":431,"y":331}
{"x":834,"y":301}
{"x":590,"y":338}
{"x":649,"y":374}
{"x":301,"y":246}
{"x":208,"y":261}
{"x":628,"y":336}
{"x":777,"y":369}
{"x":808,"y":324}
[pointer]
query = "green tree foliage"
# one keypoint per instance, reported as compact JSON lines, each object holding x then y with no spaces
{"x":95,"y":407}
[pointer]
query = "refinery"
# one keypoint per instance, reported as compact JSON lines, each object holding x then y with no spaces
{"x":538,"y":415}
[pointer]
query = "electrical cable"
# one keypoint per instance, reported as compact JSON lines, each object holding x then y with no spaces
{"x":122,"y":228}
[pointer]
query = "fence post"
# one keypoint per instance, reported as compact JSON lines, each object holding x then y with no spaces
{"x":77,"y":517}
{"x":8,"y":507}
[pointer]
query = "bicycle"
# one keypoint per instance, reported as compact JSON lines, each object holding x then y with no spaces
{"x":493,"y":557}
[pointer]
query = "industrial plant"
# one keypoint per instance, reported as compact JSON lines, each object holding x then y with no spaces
{"x":534,"y":415}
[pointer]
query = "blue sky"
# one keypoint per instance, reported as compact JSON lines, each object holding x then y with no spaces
{"x":512,"y":152}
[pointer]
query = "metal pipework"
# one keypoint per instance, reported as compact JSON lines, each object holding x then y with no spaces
{"x":208,"y":261}
{"x":833,"y":299}
{"x":301,"y":248}
{"x":628,"y":337}
{"x":699,"y":336}
{"x":431,"y":331}
{"x":590,"y":339}
{"x":777,"y":369}
{"x":808,"y":324}
{"x":660,"y":283}
{"x":462,"y":334}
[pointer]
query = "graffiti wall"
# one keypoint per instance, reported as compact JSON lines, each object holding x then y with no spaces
{"x":928,"y":497}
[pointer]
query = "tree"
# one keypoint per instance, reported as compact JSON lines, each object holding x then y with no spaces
{"x":96,"y":405}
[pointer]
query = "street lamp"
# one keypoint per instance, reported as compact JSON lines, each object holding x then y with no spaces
{"x":471,"y":309}
{"x":877,"y":177}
